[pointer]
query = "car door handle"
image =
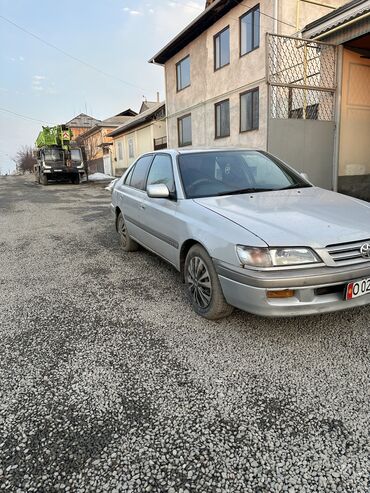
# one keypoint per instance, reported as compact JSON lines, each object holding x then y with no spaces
{"x":142,"y":206}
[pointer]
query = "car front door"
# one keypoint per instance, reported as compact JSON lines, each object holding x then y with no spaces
{"x":161,"y":225}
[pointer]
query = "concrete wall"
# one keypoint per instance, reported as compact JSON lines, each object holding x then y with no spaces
{"x":306,"y":145}
{"x":299,"y":13}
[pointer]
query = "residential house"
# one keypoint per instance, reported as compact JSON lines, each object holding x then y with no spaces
{"x":225,"y":82}
{"x":81,"y":123}
{"x":96,"y":142}
{"x":348,"y":28}
{"x":143,"y":133}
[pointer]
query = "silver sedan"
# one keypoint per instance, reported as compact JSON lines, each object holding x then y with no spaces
{"x":245,"y":230}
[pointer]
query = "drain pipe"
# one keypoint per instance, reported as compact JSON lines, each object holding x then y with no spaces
{"x":275,"y":15}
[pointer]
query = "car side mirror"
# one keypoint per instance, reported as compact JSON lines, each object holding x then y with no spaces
{"x":158,"y":191}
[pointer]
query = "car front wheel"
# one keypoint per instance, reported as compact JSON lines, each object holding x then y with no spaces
{"x":204,"y":286}
{"x":127,"y":243}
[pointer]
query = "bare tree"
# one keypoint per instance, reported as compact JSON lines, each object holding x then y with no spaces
{"x":25,"y":160}
{"x":90,"y":149}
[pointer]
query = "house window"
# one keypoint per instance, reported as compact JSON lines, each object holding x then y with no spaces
{"x":250,"y":30}
{"x":119,"y":151}
{"x":249,"y":110}
{"x":222,"y":48}
{"x":183,"y":73}
{"x":184,"y":130}
{"x":312,"y":112}
{"x":222,"y":119}
{"x":131,"y":152}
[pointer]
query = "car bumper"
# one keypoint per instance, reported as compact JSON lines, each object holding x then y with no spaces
{"x":318,"y":290}
{"x":62,"y":172}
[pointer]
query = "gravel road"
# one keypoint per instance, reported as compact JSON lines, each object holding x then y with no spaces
{"x":110,"y":382}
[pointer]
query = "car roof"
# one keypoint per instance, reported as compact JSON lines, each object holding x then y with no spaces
{"x":194,"y":150}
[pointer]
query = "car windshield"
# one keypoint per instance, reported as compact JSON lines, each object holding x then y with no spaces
{"x":53,"y":155}
{"x":208,"y":174}
{"x":76,"y":155}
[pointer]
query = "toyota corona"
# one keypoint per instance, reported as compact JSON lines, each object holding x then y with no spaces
{"x":246,"y":230}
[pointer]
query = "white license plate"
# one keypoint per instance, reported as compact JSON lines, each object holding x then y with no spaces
{"x":357,"y":288}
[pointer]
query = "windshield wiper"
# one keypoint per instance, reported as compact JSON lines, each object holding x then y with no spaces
{"x":245,"y":190}
{"x":291,"y":187}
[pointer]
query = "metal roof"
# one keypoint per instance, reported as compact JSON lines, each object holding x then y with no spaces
{"x":82,"y":120}
{"x":138,"y":120}
{"x":207,"y":18}
{"x":336,"y":18}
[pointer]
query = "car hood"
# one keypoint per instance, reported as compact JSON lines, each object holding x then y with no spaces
{"x":305,"y":217}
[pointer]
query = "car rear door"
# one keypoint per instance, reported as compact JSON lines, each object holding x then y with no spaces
{"x":132,"y":195}
{"x":161,"y":225}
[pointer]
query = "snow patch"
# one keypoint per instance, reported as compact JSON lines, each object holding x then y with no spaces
{"x":100,"y":176}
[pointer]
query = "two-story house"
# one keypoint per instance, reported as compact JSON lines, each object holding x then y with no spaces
{"x":218,"y":72}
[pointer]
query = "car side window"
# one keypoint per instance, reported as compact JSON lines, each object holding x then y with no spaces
{"x":129,"y":175}
{"x":161,"y":172}
{"x":140,"y":171}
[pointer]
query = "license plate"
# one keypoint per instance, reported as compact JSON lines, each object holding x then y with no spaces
{"x":357,"y":288}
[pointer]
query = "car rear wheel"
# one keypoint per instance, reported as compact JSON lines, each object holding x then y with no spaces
{"x":127,"y":243}
{"x":204,"y":286}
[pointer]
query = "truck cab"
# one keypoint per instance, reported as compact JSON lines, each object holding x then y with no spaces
{"x":58,"y":158}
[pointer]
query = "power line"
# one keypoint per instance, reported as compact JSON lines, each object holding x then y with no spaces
{"x":24,"y":116}
{"x":266,"y":15}
{"x":51,"y":45}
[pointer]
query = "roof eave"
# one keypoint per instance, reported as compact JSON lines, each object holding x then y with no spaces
{"x":166,"y":53}
{"x":138,"y":123}
{"x":329,"y":21}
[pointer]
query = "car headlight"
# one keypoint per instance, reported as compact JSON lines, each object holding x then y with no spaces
{"x":275,"y":257}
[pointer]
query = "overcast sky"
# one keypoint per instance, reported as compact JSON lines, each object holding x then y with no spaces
{"x":117,"y":36}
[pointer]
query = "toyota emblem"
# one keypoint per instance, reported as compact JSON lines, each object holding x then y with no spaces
{"x":365,"y":250}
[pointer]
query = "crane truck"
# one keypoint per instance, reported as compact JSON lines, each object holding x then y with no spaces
{"x":58,"y":158}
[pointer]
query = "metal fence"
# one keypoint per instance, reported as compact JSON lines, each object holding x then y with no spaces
{"x":302,"y":78}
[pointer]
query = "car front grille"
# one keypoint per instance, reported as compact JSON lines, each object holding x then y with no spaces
{"x":347,"y":253}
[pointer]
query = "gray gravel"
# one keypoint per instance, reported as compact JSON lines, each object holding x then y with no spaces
{"x":109,"y":381}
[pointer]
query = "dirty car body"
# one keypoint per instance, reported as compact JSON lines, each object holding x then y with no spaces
{"x":279,"y":245}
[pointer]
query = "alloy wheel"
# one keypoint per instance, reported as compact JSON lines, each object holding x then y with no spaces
{"x":122,"y":230}
{"x":199,"y":282}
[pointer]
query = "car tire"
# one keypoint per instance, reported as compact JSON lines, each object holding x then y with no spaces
{"x":126,"y":242}
{"x":44,"y":180}
{"x":203,"y":285}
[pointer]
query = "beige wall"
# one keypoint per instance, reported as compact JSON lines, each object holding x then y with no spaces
{"x":354,"y":148}
{"x":299,"y":13}
{"x":243,"y":73}
{"x":143,"y":141}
